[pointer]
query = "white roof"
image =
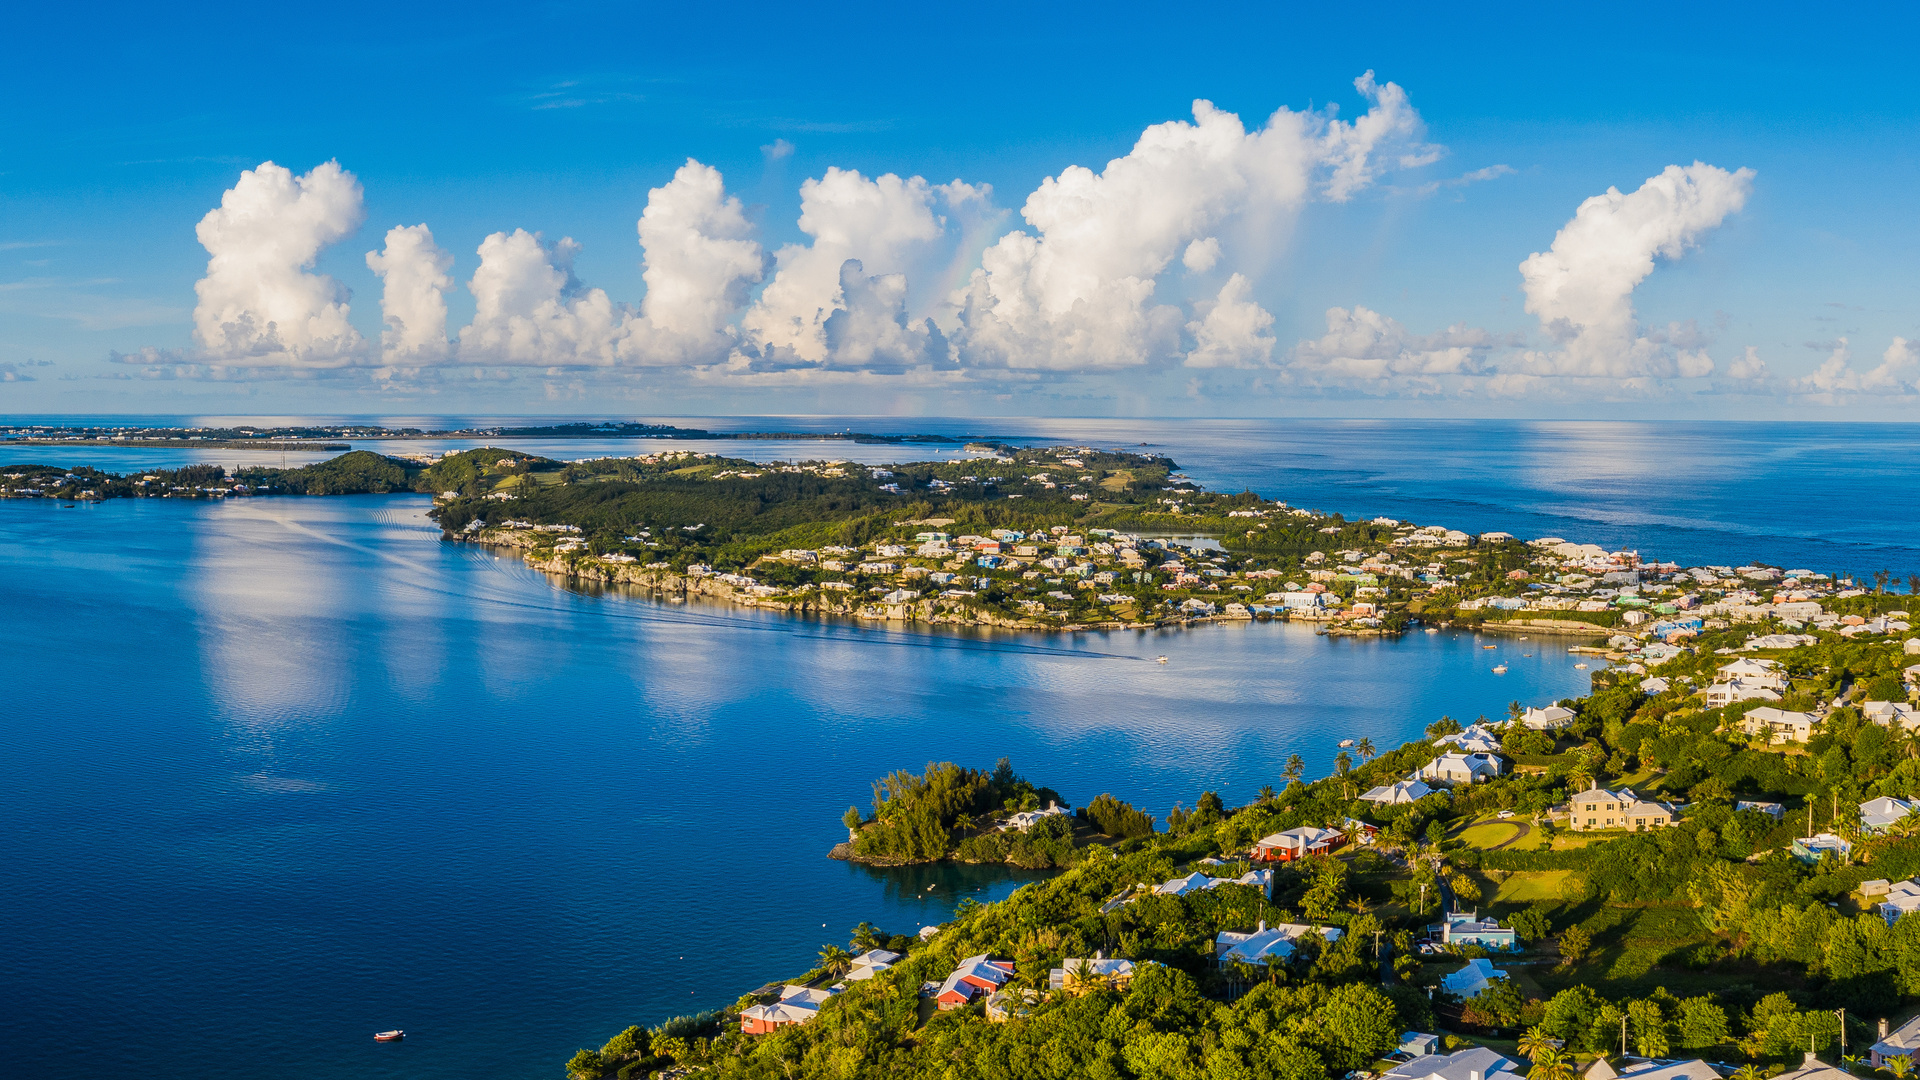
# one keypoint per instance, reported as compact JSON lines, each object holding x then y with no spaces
{"x":1471,"y":979}
{"x":1474,"y":740}
{"x":781,"y":1012}
{"x":1904,"y":1039}
{"x":876,"y":956}
{"x":1456,"y":1066}
{"x":1303,"y":837}
{"x":1405,"y":791}
{"x":803,"y":995}
{"x":1277,"y":940}
{"x":1883,"y":811}
{"x":1671,"y":1070}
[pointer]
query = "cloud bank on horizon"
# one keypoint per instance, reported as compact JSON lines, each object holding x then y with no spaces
{"x":904,"y":282}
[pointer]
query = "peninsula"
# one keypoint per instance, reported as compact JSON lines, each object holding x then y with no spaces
{"x":1667,"y":878}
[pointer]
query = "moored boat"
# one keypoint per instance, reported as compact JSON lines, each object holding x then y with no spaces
{"x":389,"y":1036}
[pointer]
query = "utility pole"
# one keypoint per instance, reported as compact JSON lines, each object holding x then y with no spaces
{"x":1842,"y":1014}
{"x":1623,"y":1036}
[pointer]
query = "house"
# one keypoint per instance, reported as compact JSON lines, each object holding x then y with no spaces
{"x":1902,"y":899}
{"x":1892,"y":713}
{"x":1810,"y":848}
{"x":1361,"y":832}
{"x":1467,"y":929}
{"x":1417,"y":1043}
{"x":1779,"y":725}
{"x":1901,"y":1042}
{"x":1551,"y":718}
{"x":1462,"y":768}
{"x":1759,"y":673}
{"x":1256,"y":946}
{"x":1670,"y":1070}
{"x":1298,"y":844}
{"x":1027,"y":819}
{"x":1478,"y":1063}
{"x":871,"y":963}
{"x":1079,"y":976}
{"x":975,"y":977}
{"x":1812,"y":1068}
{"x":1722,"y":694}
{"x":1653,"y":684}
{"x":763,"y":1019}
{"x":1472,"y":979}
{"x":1772,"y":809}
{"x":1598,"y":808}
{"x":1882,"y":814}
{"x":1405,"y":791}
{"x":1197,"y":882}
{"x":1478,"y":739}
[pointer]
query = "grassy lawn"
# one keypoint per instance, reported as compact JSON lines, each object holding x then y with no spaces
{"x":1487,"y":834}
{"x":1527,"y":886}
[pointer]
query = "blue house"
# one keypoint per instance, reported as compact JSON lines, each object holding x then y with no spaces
{"x":1468,"y":929}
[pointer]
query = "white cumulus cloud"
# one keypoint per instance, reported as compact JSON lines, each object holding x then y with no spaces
{"x":1898,"y":373}
{"x":529,"y":309}
{"x":1231,"y":331}
{"x":1365,"y":350}
{"x":701,"y":259}
{"x":414,"y":280}
{"x":260,"y":302}
{"x":1582,"y":287}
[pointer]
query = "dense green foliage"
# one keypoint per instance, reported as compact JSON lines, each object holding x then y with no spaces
{"x":922,"y":818}
{"x":357,"y":472}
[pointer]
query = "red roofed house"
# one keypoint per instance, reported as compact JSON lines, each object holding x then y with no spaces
{"x":1298,"y":844}
{"x":976,"y":976}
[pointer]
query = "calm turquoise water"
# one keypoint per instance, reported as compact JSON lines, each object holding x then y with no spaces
{"x":281,"y":773}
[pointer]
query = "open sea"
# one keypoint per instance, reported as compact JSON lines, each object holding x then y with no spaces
{"x":280,"y":773}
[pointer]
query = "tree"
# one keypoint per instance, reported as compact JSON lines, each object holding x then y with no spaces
{"x":1574,"y":943}
{"x":1913,"y":584}
{"x":1497,"y":1006}
{"x":835,"y":960}
{"x":1367,"y":752}
{"x":1530,"y":925}
{"x":1323,"y":899}
{"x":1266,"y":795}
{"x":1296,"y":768}
{"x":1748,"y":1072}
{"x":1535,"y":1043}
{"x":1554,"y":1067}
{"x":1900,"y":1064}
{"x":1649,"y":1027}
{"x":851,"y":819}
{"x":586,"y":1065}
{"x":866,"y":937}
{"x":1702,"y":1023}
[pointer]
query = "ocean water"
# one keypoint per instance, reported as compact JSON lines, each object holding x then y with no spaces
{"x":280,"y":773}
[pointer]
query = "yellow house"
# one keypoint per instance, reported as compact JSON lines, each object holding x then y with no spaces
{"x":1597,"y":809}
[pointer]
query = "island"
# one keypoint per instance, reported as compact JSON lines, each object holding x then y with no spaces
{"x":1702,"y":869}
{"x":1053,"y":538}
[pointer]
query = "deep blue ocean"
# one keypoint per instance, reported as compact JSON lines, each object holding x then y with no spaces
{"x":280,"y":773}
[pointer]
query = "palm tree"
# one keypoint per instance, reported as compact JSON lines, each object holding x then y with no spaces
{"x":1900,"y":1065}
{"x":1913,"y":584}
{"x":835,"y":960}
{"x":1534,"y":1043}
{"x":1552,"y":1067}
{"x":1296,"y":768}
{"x":1266,"y":795}
{"x":866,"y":937}
{"x":1367,"y":752}
{"x":1750,"y":1072}
{"x":1080,"y":977}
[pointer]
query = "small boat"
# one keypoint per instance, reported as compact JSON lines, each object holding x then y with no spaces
{"x":389,"y":1036}
{"x":1499,"y":669}
{"x":1159,"y":659}
{"x":1433,"y":629}
{"x":1579,"y":667}
{"x":1345,"y":743}
{"x":1489,"y":646}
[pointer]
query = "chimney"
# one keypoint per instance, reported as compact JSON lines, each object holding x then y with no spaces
{"x":1263,"y":929}
{"x":1883,"y":1029}
{"x":1099,"y":954}
{"x":1473,"y":1074}
{"x":1811,"y":1061}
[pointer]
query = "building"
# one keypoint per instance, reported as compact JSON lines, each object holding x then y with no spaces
{"x":1478,"y":1063}
{"x":1478,"y":739}
{"x":1468,"y":929}
{"x":1298,"y":844}
{"x":1027,"y":819}
{"x":1779,"y":725}
{"x":1470,"y":980}
{"x":1008,"y":1003}
{"x":1759,"y":673}
{"x":1551,"y":718}
{"x":1415,"y":1044}
{"x":1810,"y":848}
{"x":1772,"y":809}
{"x":1075,"y":976}
{"x":1903,"y":1042}
{"x":1597,"y":808}
{"x":797,"y":1005}
{"x":1462,"y":768}
{"x":1892,"y":713}
{"x":871,"y":963}
{"x":975,"y":977}
{"x":1880,"y":815}
{"x":1812,"y":1068}
{"x":1267,"y":941}
{"x":1405,"y":791}
{"x":1670,"y":1070}
{"x":1722,"y":694}
{"x":1903,"y":898}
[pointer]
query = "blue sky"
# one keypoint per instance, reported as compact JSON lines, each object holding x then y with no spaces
{"x":1196,"y":278}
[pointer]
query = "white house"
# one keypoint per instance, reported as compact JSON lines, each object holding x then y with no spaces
{"x":1417,"y":1043}
{"x":1670,"y":1070}
{"x":1764,"y":673}
{"x":1256,"y":946}
{"x":1722,"y":694}
{"x":1891,"y":713}
{"x":1478,"y":1063}
{"x":1903,"y":898}
{"x":1551,"y":718}
{"x":1812,"y":1068}
{"x":1598,"y":808}
{"x":871,"y":963}
{"x":1881,"y":814}
{"x":1779,"y":725}
{"x":1772,"y":809}
{"x":1478,"y":739}
{"x":1471,"y":979}
{"x":1297,"y":844}
{"x":1097,"y":971}
{"x":1462,"y":768}
{"x":1405,"y":791}
{"x":1027,"y":819}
